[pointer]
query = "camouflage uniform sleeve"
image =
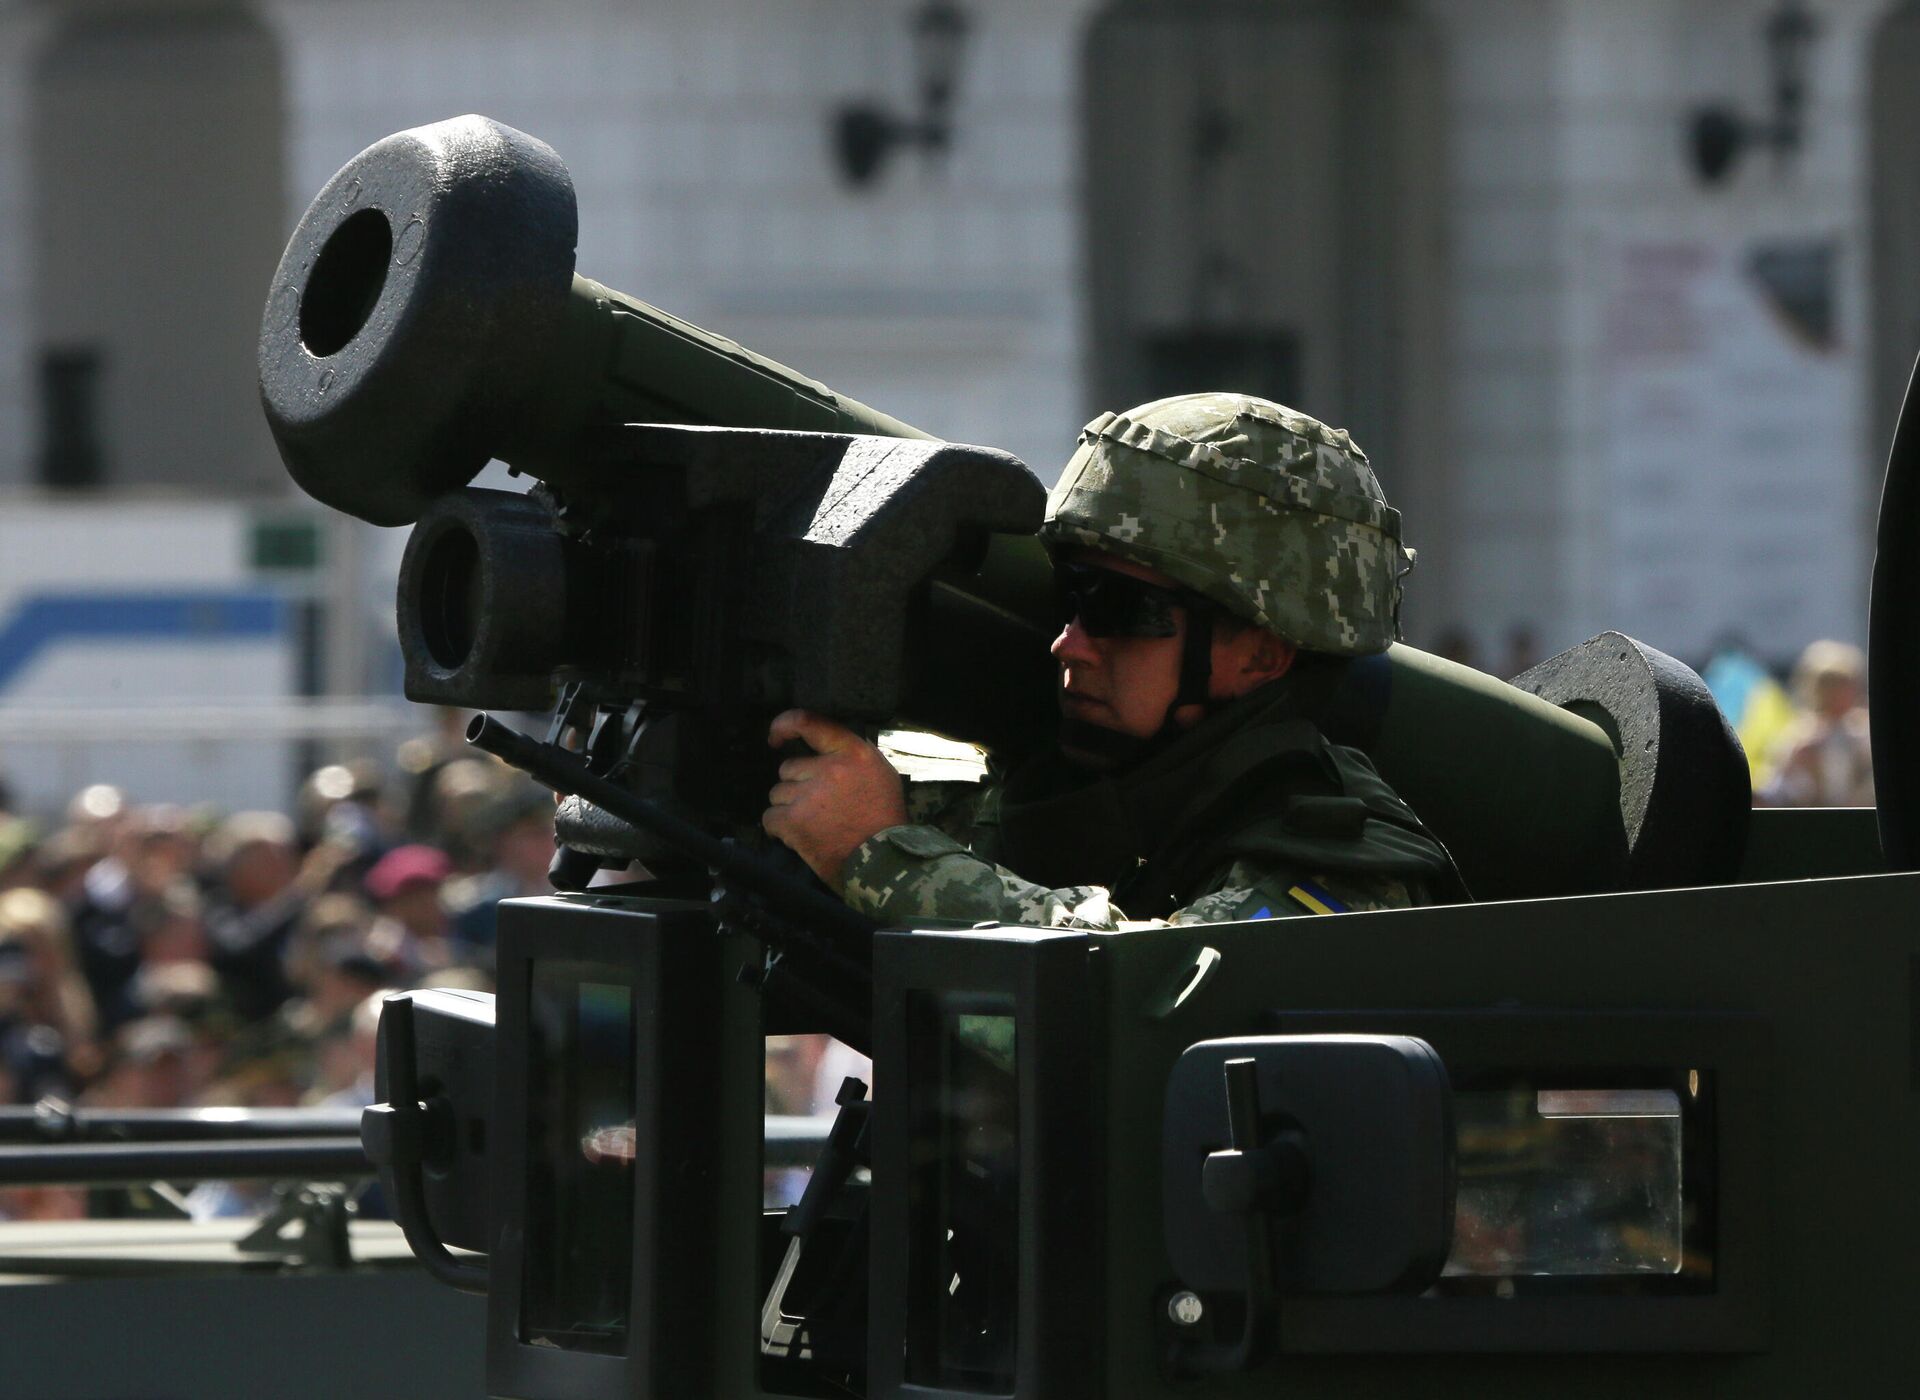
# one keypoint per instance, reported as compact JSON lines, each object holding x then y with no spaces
{"x":950,"y":807}
{"x":915,"y":872}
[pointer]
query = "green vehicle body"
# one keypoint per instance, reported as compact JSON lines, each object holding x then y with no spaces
{"x":1789,"y":1002}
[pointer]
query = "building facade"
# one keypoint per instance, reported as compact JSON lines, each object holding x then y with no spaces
{"x":1620,"y":297}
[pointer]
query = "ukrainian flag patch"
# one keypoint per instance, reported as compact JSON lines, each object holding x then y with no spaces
{"x":1314,"y":899}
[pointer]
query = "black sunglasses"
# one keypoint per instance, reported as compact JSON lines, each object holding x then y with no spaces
{"x":1109,"y":604}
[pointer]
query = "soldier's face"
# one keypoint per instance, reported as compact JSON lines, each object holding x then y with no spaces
{"x":1117,"y":682}
{"x":1126,"y":683}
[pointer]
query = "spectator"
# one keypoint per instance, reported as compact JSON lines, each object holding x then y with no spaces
{"x":414,"y":935}
{"x":347,"y":1057}
{"x":342,"y":805}
{"x":1824,"y":758}
{"x":332,"y":961}
{"x":60,"y":865}
{"x":421,"y":759}
{"x":44,"y":985}
{"x":254,"y":903}
{"x":262,"y":885}
{"x":19,"y":846}
{"x":34,"y":1058}
{"x":189,"y":992}
{"x":150,"y":1066}
{"x":1754,"y":703}
{"x":344,"y":798}
{"x":43,"y":1203}
{"x":109,"y":950}
{"x":465,"y":792}
{"x":171,"y":925}
{"x":792,"y":1070}
{"x":518,"y":830}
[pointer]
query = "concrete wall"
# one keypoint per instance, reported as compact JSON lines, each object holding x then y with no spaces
{"x":22,"y":30}
{"x":1504,"y":220}
{"x":1646,"y":442}
{"x":156,"y":145}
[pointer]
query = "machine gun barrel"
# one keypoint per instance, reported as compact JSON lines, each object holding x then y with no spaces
{"x":54,"y":1121}
{"x":131,"y":1163}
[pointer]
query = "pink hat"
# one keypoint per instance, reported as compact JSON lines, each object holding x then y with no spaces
{"x":404,"y":867}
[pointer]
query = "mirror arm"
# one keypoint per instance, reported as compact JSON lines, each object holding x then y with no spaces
{"x":1255,"y":1179}
{"x":397,"y":1136}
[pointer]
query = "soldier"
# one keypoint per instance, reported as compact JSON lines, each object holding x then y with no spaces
{"x":1214,"y":554}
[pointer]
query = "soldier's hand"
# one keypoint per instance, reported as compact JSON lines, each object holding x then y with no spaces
{"x":829,"y":801}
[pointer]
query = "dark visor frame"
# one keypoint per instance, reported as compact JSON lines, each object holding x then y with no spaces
{"x":1109,"y":604}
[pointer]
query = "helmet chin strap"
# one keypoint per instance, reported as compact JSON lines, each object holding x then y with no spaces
{"x":1106,"y":750}
{"x":1196,"y":665}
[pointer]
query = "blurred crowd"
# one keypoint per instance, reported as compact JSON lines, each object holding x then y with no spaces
{"x":153,"y":956}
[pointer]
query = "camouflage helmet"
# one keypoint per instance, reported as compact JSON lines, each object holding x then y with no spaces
{"x":1271,"y":514}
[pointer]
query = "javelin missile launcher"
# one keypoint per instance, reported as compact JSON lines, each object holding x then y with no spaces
{"x":1643,"y":1118}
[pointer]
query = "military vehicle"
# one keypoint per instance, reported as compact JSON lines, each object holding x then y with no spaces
{"x":1645,"y":1118}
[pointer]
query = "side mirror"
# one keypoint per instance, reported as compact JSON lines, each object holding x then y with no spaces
{"x":428,"y":1133}
{"x":1301,"y":1164}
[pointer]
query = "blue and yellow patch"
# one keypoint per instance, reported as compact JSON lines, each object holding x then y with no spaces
{"x":1315,"y":900}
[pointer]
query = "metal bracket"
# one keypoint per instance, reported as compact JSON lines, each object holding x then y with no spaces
{"x":306,"y":1227}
